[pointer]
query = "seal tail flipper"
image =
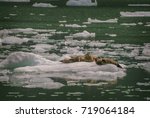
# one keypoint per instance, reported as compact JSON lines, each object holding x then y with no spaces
{"x":118,"y":65}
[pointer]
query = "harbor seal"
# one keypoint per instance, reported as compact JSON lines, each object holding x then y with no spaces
{"x":80,"y":58}
{"x":102,"y":61}
{"x":91,"y":58}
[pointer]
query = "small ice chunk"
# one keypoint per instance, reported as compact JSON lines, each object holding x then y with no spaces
{"x":139,"y":5}
{"x":145,"y":66}
{"x":84,"y":34}
{"x":115,"y":20}
{"x":135,"y":14}
{"x":42,"y":47}
{"x":43,"y":5}
{"x":81,"y":3}
{"x":128,"y":24}
{"x":75,"y":25}
{"x":146,"y":51}
{"x":111,"y":35}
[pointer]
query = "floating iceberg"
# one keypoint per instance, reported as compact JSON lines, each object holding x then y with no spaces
{"x":43,"y":5}
{"x":135,"y":14}
{"x":81,"y":3}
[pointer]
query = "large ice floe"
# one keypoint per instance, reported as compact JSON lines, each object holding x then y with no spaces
{"x":135,"y":14}
{"x":31,"y":70}
{"x":81,"y":3}
{"x":43,"y":5}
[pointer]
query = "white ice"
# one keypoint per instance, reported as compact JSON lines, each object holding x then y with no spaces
{"x":128,"y":24}
{"x":145,"y":66}
{"x":75,"y":25}
{"x":28,"y":63}
{"x":43,"y":5}
{"x":19,"y":59}
{"x":14,"y":40}
{"x":42,"y":47}
{"x":84,"y":34}
{"x":135,"y":14}
{"x":115,"y":20}
{"x":139,"y":5}
{"x":81,"y":3}
{"x":15,"y":0}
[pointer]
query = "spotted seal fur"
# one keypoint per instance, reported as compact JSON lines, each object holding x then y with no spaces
{"x":91,"y":58}
{"x":102,"y":61}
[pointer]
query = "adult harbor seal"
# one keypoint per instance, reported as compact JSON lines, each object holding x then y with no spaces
{"x":91,"y":58}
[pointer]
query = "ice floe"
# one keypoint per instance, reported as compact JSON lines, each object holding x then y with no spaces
{"x":0,"y":41}
{"x":115,"y":20}
{"x":135,"y":14}
{"x":111,"y":35}
{"x":15,"y":0}
{"x":19,"y":59}
{"x":128,"y":24}
{"x":43,"y":5}
{"x":146,"y":51}
{"x":31,"y":63}
{"x":75,"y":25}
{"x":14,"y":40}
{"x":81,"y":71}
{"x":42,"y":47}
{"x":4,"y":33}
{"x":81,"y":3}
{"x":145,"y":66}
{"x":33,"y":81}
{"x":139,"y":5}
{"x":12,"y":14}
{"x":84,"y":34}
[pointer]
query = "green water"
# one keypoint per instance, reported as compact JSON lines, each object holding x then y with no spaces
{"x":136,"y":36}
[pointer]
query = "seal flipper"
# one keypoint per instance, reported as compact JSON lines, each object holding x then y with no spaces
{"x":118,"y":65}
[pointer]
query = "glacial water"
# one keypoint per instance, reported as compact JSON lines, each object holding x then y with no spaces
{"x":33,"y":40}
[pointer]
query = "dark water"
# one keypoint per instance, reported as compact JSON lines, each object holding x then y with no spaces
{"x":125,"y":41}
